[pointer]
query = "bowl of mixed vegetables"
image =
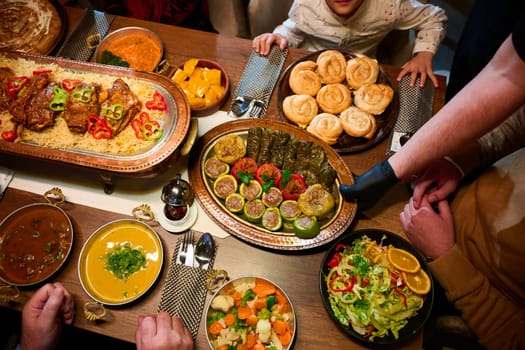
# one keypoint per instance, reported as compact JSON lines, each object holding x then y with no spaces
{"x":250,"y":313}
{"x":376,"y":286}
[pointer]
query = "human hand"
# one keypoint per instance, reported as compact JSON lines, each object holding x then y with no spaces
{"x":437,"y":182}
{"x":263,"y":43}
{"x":43,"y":315}
{"x":162,"y":332}
{"x":420,"y":64}
{"x":370,"y":186}
{"x":430,"y":230}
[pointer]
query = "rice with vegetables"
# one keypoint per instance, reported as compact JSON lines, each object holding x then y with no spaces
{"x":59,"y":136}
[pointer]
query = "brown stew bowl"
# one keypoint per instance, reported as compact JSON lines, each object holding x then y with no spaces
{"x":345,"y":142}
{"x":36,"y":241}
{"x":225,"y":83}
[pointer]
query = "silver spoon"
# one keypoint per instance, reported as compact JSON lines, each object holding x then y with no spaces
{"x":204,"y":249}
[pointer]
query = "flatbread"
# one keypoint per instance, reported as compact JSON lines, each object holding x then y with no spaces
{"x":32,"y":26}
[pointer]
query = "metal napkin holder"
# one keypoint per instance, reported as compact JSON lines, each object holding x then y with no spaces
{"x":259,"y":78}
{"x":415,"y":109}
{"x":86,"y":36}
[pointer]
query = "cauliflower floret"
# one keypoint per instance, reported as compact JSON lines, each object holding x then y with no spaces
{"x":264,"y":329}
{"x":222,"y":303}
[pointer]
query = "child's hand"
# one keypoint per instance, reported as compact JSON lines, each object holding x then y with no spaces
{"x":420,"y":64}
{"x":263,"y":43}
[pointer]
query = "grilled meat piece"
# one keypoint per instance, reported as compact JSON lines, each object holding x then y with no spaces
{"x":128,"y":106}
{"x":37,"y":112}
{"x":5,"y":74}
{"x":17,"y":106}
{"x":79,"y":104}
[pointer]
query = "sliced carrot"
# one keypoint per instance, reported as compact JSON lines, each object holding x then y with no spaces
{"x":282,"y":302}
{"x":215,"y":328}
{"x":280,"y":327}
{"x":241,"y":347}
{"x":224,"y":347}
{"x":263,"y":288}
{"x":285,"y":338}
{"x":243,"y":312}
{"x":251,"y":321}
{"x":229,"y":319}
{"x":250,"y":340}
{"x":260,"y":303}
{"x":259,"y":346}
{"x":237,"y":297}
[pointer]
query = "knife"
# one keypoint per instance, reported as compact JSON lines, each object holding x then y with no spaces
{"x":189,"y":255}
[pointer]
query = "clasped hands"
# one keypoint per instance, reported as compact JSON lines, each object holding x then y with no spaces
{"x":426,"y":218}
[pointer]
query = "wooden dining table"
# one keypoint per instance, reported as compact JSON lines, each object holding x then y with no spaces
{"x":296,"y":272}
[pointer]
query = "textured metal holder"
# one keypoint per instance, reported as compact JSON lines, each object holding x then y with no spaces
{"x":86,"y":36}
{"x":259,"y":78}
{"x":184,"y":292}
{"x":415,"y":109}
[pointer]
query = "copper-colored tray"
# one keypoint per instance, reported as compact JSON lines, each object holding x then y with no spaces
{"x":346,"y":143}
{"x":252,"y":233}
{"x":175,"y":125}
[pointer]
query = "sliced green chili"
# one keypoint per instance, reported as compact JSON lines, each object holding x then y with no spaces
{"x":83,"y":95}
{"x":115,"y":111}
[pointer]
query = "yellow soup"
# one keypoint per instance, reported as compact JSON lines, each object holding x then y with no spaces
{"x":102,"y":284}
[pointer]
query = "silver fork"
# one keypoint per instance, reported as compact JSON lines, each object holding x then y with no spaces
{"x":186,"y":250}
{"x":257,"y":108}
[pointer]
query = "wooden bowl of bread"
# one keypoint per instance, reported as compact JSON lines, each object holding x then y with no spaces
{"x":342,"y":97}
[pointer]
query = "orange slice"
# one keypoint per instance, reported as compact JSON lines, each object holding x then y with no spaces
{"x":402,"y":260}
{"x":418,"y":282}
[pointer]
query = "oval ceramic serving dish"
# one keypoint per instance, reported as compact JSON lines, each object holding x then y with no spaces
{"x":345,"y":142}
{"x":252,"y":233}
{"x":174,"y":122}
{"x":102,"y":284}
{"x":35,"y":241}
{"x":282,"y":332}
{"x":414,"y":323}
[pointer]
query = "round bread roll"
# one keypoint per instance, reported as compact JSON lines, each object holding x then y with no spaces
{"x":334,"y":98}
{"x":304,"y":80}
{"x":358,"y":123}
{"x":373,"y":98}
{"x":326,"y":126}
{"x":361,"y":70}
{"x":300,"y":109}
{"x":331,"y":66}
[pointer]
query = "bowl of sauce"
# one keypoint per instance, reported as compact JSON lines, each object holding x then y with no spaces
{"x":35,"y":241}
{"x":131,"y":47}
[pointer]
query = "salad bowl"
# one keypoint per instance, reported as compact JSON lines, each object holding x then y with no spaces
{"x":413,"y":319}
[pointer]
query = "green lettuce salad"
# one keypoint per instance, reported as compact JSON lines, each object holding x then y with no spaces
{"x":366,"y":292}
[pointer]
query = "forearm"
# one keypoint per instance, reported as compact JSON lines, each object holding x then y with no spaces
{"x":470,"y":114}
{"x":497,"y":322}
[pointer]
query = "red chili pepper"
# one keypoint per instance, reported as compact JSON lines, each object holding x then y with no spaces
{"x":69,"y":84}
{"x":293,"y":186}
{"x":146,"y":129}
{"x":41,"y":71}
{"x":336,"y":259}
{"x":157,"y":103}
{"x":16,"y":84}
{"x":347,"y":288}
{"x":403,"y":296}
{"x":9,"y":136}
{"x":369,"y":331}
{"x":98,"y":127}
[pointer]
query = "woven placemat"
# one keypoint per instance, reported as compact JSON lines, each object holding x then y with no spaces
{"x":184,"y":292}
{"x":415,"y":109}
{"x":260,"y":76}
{"x":86,"y":36}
